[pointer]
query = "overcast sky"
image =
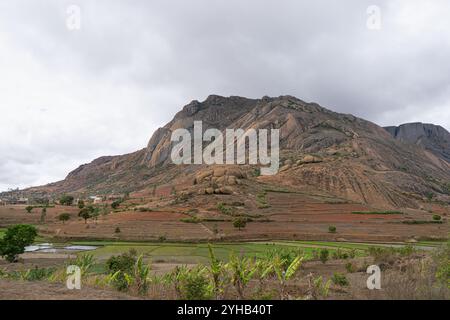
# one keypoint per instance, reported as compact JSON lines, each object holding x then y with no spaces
{"x":69,"y":95}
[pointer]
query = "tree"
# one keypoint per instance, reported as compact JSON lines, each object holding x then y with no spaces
{"x":64,"y":217}
{"x":81,"y":204}
{"x":239,"y":223}
{"x":15,"y":240}
{"x":116,"y":204}
{"x":332,"y":229}
{"x":85,"y":213}
{"x":95,"y":213}
{"x":66,"y":200}
{"x":29,"y":209}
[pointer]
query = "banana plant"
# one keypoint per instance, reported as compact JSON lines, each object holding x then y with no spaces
{"x":218,"y":273}
{"x":242,"y":271}
{"x":176,"y":278}
{"x":141,"y":272}
{"x":264,"y":269}
{"x":285,"y":274}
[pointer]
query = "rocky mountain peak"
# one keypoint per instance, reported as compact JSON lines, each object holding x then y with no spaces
{"x":432,"y":137}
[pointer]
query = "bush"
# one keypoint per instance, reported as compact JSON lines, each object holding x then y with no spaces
{"x":323,"y":255}
{"x":437,"y":217}
{"x":15,"y":240}
{"x":120,"y":266}
{"x":339,"y":254}
{"x":350,"y":267}
{"x":224,"y":209}
{"x":339,"y":279}
{"x":332,"y":229}
{"x":195,"y":285}
{"x":29,"y":209}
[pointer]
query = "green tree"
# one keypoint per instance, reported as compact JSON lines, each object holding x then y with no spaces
{"x":332,"y":229}
{"x":66,"y":200}
{"x":29,"y":209}
{"x":64,"y":217}
{"x":15,"y":240}
{"x":239,"y":223}
{"x":116,"y":204}
{"x":81,"y":204}
{"x":85,"y":213}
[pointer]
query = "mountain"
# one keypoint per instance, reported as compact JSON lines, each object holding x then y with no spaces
{"x":431,"y":137}
{"x":336,"y":154}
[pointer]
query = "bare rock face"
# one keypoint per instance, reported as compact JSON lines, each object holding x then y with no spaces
{"x":431,"y":137}
{"x":321,"y":150}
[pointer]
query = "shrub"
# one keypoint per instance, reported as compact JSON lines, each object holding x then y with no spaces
{"x":442,"y":261}
{"x":429,"y":195}
{"x":195,"y":285}
{"x":339,"y":279}
{"x":224,"y":209}
{"x":317,"y":287}
{"x":332,"y":229}
{"x":323,"y":255}
{"x":117,"y":230}
{"x":339,"y":254}
{"x":38,"y":274}
{"x":85,"y":262}
{"x":437,"y":217}
{"x":350,"y":267}
{"x":121,"y":267}
{"x":15,"y":240}
{"x":29,"y":209}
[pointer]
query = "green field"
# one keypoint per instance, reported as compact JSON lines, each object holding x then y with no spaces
{"x":198,"y":252}
{"x":194,"y":253}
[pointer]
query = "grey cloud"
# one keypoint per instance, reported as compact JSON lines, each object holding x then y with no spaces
{"x":133,"y":64}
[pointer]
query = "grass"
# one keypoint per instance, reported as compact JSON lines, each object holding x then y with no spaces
{"x":377,"y":212}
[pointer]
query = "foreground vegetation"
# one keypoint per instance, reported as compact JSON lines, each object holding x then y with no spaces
{"x":275,"y":273}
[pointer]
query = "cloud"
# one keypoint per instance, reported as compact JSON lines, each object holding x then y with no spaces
{"x":67,"y":97}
